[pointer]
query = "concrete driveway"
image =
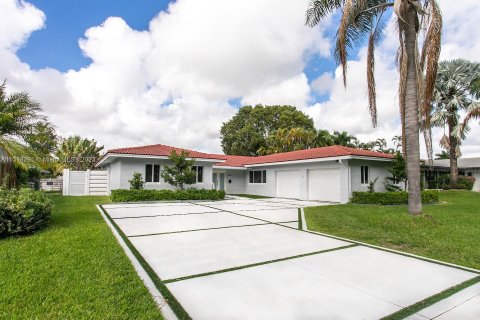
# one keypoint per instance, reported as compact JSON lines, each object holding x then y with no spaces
{"x":247,"y":259}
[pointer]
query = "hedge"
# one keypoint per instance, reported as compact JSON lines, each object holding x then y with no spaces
{"x":124,"y":195}
{"x":392,"y":198}
{"x":463,"y":183}
{"x":23,"y":212}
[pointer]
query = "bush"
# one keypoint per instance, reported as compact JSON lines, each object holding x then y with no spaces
{"x":23,"y":212}
{"x":123,"y":195}
{"x":463,"y":183}
{"x":136,"y":183}
{"x":392,"y":198}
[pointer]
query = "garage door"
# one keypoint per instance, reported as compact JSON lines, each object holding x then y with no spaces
{"x":324,"y":185}
{"x":288,"y":184}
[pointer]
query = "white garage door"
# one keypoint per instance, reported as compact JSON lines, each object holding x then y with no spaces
{"x":288,"y":184}
{"x":324,"y":185}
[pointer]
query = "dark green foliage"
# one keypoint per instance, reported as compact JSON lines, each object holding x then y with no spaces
{"x":181,"y":173}
{"x":78,"y":153}
{"x":391,"y":198}
{"x":371,"y":185}
{"x":250,"y":128}
{"x":123,"y":195}
{"x":136,"y":183}
{"x":23,"y":212}
{"x":463,"y":183}
{"x":398,"y":172}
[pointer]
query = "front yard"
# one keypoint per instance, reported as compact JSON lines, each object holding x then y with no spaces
{"x":448,"y":231}
{"x":74,"y":269}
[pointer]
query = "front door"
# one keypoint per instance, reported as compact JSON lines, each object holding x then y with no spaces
{"x":222,"y":181}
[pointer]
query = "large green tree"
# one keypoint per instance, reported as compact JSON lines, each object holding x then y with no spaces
{"x":456,"y":93}
{"x":365,"y":20}
{"x":78,"y":153}
{"x":26,"y":136}
{"x":249,"y":130}
{"x":285,"y":140}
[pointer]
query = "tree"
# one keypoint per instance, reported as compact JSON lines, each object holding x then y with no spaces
{"x":398,"y":172}
{"x":285,"y":140}
{"x":25,"y":134}
{"x":248,"y":131}
{"x":455,"y":93}
{"x":181,"y":173}
{"x":444,"y":155}
{"x":366,"y":19}
{"x":137,"y":182}
{"x":324,"y":139}
{"x":344,"y":139}
{"x":77,"y":153}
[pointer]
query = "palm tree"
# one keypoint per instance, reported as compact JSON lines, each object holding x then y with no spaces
{"x":24,"y":134}
{"x":366,"y":19}
{"x":444,"y":155}
{"x":455,"y":92}
{"x":324,"y":139}
{"x":285,"y":140}
{"x":344,"y":139}
{"x":77,"y":153}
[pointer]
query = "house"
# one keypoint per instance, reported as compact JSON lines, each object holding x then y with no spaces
{"x":469,"y":167}
{"x":324,"y":174}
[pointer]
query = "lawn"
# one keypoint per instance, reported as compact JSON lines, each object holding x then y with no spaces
{"x":74,"y":269}
{"x":448,"y":231}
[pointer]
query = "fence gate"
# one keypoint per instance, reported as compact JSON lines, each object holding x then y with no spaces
{"x":83,"y":183}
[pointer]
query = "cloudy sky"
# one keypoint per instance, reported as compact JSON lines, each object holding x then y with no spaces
{"x":141,"y":72}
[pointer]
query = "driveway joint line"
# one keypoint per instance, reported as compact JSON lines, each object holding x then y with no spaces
{"x":258,"y":264}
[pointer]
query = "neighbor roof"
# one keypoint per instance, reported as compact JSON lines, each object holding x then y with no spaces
{"x":242,"y":161}
{"x":463,"y":163}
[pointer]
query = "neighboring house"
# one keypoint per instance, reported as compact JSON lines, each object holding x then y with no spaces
{"x":325,"y":174}
{"x":466,"y":167}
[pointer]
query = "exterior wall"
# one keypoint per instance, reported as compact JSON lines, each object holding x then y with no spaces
{"x":122,"y":170}
{"x":377,"y":169}
{"x":476,"y":186}
{"x":235,"y":181}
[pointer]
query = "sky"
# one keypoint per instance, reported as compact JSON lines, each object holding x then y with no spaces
{"x":130,"y":73}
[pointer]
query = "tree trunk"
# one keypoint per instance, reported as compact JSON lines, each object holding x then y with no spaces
{"x":453,"y":155}
{"x":412,"y":125}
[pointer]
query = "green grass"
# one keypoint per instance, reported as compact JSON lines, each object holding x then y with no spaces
{"x":448,"y":231}
{"x":74,"y":269}
{"x":251,"y":196}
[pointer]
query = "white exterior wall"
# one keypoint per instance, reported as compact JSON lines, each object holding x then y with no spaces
{"x":122,"y":170}
{"x":476,"y":186}
{"x":377,"y":169}
{"x":235,"y":181}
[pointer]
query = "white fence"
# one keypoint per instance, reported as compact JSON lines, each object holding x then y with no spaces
{"x":51,"y":184}
{"x":84,"y":183}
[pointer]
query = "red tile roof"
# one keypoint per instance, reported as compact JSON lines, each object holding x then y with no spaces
{"x":315,"y":153}
{"x":241,"y":161}
{"x":163,"y":150}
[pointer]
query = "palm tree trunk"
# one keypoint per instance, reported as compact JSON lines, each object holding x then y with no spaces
{"x":453,"y":155}
{"x":412,"y":125}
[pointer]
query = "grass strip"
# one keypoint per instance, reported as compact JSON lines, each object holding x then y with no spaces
{"x":176,"y":307}
{"x":414,"y":308}
{"x":257,"y":264}
{"x":300,"y":225}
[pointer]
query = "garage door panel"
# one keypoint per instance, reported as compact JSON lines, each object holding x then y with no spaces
{"x":288,"y":184}
{"x":324,"y":185}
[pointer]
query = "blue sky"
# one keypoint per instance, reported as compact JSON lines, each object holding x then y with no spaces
{"x":56,"y":45}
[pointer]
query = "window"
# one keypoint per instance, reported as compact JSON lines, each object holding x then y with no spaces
{"x":198,"y":173}
{"x":152,"y":173}
{"x":365,"y":171}
{"x":259,"y":176}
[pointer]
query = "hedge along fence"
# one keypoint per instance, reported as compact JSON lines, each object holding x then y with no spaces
{"x":124,"y":195}
{"x":392,"y":198}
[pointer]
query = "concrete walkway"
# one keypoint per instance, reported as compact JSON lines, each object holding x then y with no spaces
{"x":247,"y":259}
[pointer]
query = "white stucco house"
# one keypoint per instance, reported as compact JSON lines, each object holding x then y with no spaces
{"x":325,"y":174}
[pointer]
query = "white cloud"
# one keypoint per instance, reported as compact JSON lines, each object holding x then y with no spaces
{"x":171,"y":84}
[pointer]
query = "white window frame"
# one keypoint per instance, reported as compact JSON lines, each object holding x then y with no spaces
{"x":263,"y":177}
{"x":195,"y":168}
{"x":364,"y":180}
{"x":153,"y":171}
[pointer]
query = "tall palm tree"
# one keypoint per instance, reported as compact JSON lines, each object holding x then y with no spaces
{"x":366,"y":19}
{"x":77,"y":153}
{"x":324,"y":139}
{"x":24,"y":134}
{"x":455,"y":92}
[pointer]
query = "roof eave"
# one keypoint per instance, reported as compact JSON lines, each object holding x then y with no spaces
{"x":110,"y":155}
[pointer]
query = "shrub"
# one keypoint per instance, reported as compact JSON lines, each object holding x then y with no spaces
{"x":136,"y":183}
{"x":23,"y":212}
{"x":463,"y":183}
{"x":392,"y":198}
{"x":123,"y":195}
